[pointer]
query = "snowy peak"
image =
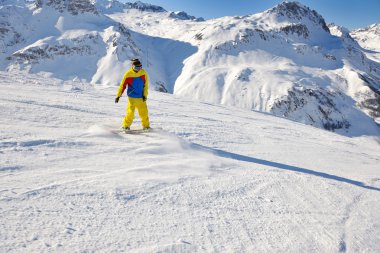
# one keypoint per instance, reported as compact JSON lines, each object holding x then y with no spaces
{"x":374,"y":29}
{"x":74,"y":7}
{"x":296,"y":12}
{"x":338,"y":31}
{"x":108,"y":6}
{"x":344,"y":34}
{"x":113,"y":6}
{"x":368,"y":37}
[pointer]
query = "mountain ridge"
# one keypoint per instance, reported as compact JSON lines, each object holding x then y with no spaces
{"x":368,"y":37}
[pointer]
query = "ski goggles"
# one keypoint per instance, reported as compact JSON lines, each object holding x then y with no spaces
{"x":137,"y":67}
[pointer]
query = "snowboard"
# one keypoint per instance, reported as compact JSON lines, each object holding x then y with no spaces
{"x":135,"y":131}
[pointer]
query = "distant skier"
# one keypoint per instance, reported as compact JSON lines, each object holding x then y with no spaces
{"x":135,"y":80}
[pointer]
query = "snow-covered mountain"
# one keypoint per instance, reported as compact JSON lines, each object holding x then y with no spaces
{"x":114,"y":6}
{"x":71,"y":38}
{"x":285,"y":61}
{"x":73,"y":7}
{"x":66,"y":38}
{"x":368,"y":37}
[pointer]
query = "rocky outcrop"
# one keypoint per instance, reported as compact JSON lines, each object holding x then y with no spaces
{"x":184,"y":16}
{"x":296,"y":12}
{"x":312,"y":106}
{"x":144,"y":7}
{"x":298,"y":29}
{"x":9,"y":36}
{"x":74,"y":7}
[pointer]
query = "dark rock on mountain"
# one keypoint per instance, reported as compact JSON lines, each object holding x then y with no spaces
{"x":144,"y":7}
{"x":296,"y":11}
{"x":74,"y":7}
{"x":184,"y":16}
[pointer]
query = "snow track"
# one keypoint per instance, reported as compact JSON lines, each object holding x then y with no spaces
{"x":209,"y":179}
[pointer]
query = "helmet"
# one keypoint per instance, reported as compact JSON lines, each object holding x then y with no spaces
{"x":136,"y":62}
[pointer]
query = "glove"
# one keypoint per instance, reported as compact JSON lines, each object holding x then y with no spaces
{"x":117,"y":100}
{"x":144,"y":98}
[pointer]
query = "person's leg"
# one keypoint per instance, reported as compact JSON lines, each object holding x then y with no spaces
{"x":128,"y":119}
{"x":142,"y":108}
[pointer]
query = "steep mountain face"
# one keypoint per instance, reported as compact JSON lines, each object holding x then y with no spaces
{"x":74,"y":7}
{"x":293,"y":11}
{"x":108,"y":6}
{"x":367,"y":71}
{"x":75,"y":39}
{"x":114,"y":6}
{"x":67,"y":38}
{"x":9,"y":34}
{"x":285,"y":61}
{"x":368,"y":37}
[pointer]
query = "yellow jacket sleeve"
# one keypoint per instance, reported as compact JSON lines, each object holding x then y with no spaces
{"x":146,"y":86}
{"x":122,"y":86}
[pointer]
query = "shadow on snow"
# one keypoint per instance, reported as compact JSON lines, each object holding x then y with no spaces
{"x":281,"y":166}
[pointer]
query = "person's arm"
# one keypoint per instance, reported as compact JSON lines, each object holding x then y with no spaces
{"x":122,"y":86}
{"x":146,"y":86}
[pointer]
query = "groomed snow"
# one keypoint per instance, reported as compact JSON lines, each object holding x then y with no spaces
{"x":209,"y":178}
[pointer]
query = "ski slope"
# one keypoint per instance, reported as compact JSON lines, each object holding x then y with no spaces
{"x":209,"y":178}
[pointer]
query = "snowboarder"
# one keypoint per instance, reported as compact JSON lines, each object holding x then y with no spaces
{"x":135,"y":80}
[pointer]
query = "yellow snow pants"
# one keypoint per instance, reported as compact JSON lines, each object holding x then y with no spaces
{"x":142,"y":108}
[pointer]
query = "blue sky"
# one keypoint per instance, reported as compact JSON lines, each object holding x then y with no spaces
{"x":351,"y":14}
